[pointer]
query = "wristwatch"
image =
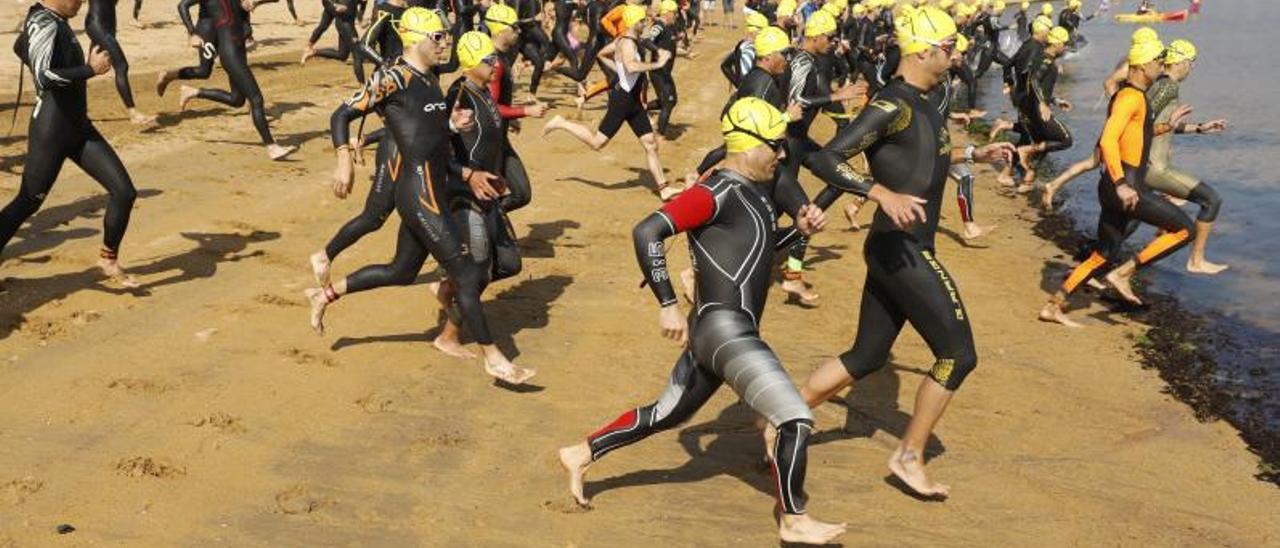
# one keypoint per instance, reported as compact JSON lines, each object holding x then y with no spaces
{"x":968,"y":153}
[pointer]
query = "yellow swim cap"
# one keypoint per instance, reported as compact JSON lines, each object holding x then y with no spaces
{"x":966,"y":10}
{"x":770,"y":40}
{"x":632,"y":14}
{"x":832,"y":8}
{"x":1142,"y":53}
{"x":668,"y":6}
{"x":1025,"y":5}
{"x":859,"y":10}
{"x":998,"y":6}
{"x":1074,"y":4}
{"x":415,"y":24}
{"x":1179,"y":51}
{"x":1059,"y":36}
{"x":1144,"y":34}
{"x":962,"y":43}
{"x":946,"y":4}
{"x":472,"y":48}
{"x":786,"y":8}
{"x":1046,"y":9}
{"x":499,"y":17}
{"x":756,"y":21}
{"x":819,"y":24}
{"x":1041,"y":24}
{"x":929,"y":27}
{"x":749,"y":123}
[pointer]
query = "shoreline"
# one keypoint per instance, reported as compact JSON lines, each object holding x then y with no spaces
{"x":205,"y":410}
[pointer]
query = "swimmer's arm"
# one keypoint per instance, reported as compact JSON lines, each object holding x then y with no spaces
{"x":691,"y":209}
{"x":184,"y":12}
{"x":1126,"y":107}
{"x":800,"y":71}
{"x":376,"y":89}
{"x":1112,"y":83}
{"x":630,"y":62}
{"x":41,"y":42}
{"x":875,"y":122}
{"x":371,"y":36}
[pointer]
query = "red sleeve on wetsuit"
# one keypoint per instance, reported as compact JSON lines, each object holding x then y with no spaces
{"x":507,"y":112}
{"x":691,"y":208}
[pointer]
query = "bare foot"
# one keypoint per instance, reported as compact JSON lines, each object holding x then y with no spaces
{"x":141,"y":119}
{"x":1094,"y":283}
{"x":451,"y":346}
{"x":1123,"y":286}
{"x":162,"y":82}
{"x":689,"y":281}
{"x":1053,"y":313}
{"x":997,"y":127}
{"x":1025,"y":187}
{"x":186,"y":94}
{"x":1005,"y":179}
{"x":576,"y":459}
{"x":851,"y":214}
{"x":802,"y":529}
{"x":250,"y":44}
{"x":504,"y":370}
{"x":139,"y":24}
{"x":1206,"y":267}
{"x":973,"y":231}
{"x":300,"y":22}
{"x":1046,"y":196}
{"x":909,"y":467}
{"x":553,"y":124}
{"x":320,"y":267}
{"x":307,"y":53}
{"x":111,"y":269}
{"x":801,"y":290}
{"x":579,"y":102}
{"x":276,"y":152}
{"x":319,"y":302}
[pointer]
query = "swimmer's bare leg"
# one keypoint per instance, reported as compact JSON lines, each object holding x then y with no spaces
{"x":907,"y":461}
{"x":449,"y":340}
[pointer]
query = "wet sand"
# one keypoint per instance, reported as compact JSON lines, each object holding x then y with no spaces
{"x":202,"y":408}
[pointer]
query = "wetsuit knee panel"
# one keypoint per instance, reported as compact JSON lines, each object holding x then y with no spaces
{"x":951,"y":372}
{"x":1209,"y":201}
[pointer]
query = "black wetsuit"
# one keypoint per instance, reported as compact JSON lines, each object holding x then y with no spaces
{"x":416,"y":115}
{"x":596,"y":40}
{"x":564,"y":12}
{"x":345,"y":22}
{"x":100,"y":25}
{"x":811,"y":87}
{"x":908,"y":149}
{"x":739,"y":61}
{"x":730,"y":224}
{"x":60,"y":130}
{"x":381,"y":44}
{"x":490,"y":239}
{"x":1019,"y":67}
{"x":534,"y":43}
{"x":513,"y":171}
{"x":221,"y":26}
{"x":1041,"y":77}
{"x":664,"y":83}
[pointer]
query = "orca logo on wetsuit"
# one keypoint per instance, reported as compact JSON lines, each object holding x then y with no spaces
{"x":207,"y":50}
{"x":432,"y":107}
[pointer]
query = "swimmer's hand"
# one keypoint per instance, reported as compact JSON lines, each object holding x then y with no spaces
{"x":673,"y":323}
{"x":344,"y":175}
{"x":195,"y":41}
{"x":1212,"y":126}
{"x":1128,"y":196}
{"x":811,"y":219}
{"x":1179,"y":115}
{"x":483,"y":184}
{"x":795,"y":111}
{"x":536,"y":110}
{"x":996,"y":153}
{"x":904,"y":209}
{"x":461,"y":119}
{"x":99,"y":60}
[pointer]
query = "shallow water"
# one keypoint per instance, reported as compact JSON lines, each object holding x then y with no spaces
{"x":1232,"y":80}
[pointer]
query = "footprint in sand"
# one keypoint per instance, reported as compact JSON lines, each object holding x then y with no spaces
{"x":564,"y":507}
{"x":138,"y":467}
{"x":299,"y":500}
{"x":427,"y":445}
{"x":377,"y":402}
{"x":276,"y":300}
{"x":302,"y":357}
{"x":17,"y":491}
{"x":221,"y":422}
{"x":139,"y":386}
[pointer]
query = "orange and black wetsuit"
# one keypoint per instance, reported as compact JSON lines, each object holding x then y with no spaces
{"x":1125,"y":146}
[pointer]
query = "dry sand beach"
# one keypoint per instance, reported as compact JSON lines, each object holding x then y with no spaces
{"x":202,"y":408}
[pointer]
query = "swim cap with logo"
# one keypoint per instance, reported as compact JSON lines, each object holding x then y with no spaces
{"x":751,"y":122}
